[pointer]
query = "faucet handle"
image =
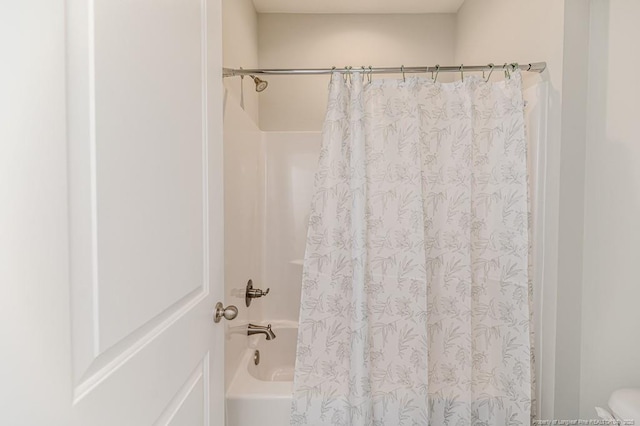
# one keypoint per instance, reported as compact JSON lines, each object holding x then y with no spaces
{"x":253,"y":293}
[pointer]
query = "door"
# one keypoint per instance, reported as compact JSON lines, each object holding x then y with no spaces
{"x":121,"y":331}
{"x":145,"y":189}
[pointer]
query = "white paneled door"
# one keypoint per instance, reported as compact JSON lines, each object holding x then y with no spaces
{"x":144,"y":140}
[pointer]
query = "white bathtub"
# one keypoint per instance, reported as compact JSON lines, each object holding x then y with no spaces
{"x":261,"y":395}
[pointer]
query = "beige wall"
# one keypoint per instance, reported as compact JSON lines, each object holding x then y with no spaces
{"x":610,"y":313}
{"x":516,"y":31}
{"x":307,"y":41}
{"x":240,"y":49}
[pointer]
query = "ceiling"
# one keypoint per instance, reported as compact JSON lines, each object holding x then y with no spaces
{"x":357,"y":6}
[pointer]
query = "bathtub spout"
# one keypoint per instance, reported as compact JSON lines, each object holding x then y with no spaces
{"x":260,"y":329}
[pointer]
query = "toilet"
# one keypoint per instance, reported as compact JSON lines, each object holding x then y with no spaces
{"x":624,"y":404}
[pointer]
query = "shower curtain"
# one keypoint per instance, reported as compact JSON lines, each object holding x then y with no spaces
{"x":415,"y":305}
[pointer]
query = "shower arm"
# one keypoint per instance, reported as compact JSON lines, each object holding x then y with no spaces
{"x":531,"y":67}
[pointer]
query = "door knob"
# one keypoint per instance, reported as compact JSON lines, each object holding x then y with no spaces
{"x":228,"y":313}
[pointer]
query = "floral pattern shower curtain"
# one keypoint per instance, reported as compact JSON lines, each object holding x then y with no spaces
{"x":416,"y":301}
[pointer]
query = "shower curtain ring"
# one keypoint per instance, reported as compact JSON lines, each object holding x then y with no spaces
{"x":506,"y":71}
{"x":402,"y":70}
{"x":491,"y":65}
{"x":370,"y":73}
{"x":437,"y":71}
{"x":347,"y":74}
{"x":462,"y":72}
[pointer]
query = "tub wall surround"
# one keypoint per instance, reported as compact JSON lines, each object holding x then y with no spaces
{"x":266,"y":227}
{"x":261,"y":395}
{"x":291,"y":162}
{"x":243,"y":174}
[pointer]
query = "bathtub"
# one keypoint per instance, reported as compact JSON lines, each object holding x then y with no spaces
{"x":260,"y":395}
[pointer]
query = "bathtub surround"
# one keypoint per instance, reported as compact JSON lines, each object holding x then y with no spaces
{"x":291,"y":160}
{"x":260,"y":395}
{"x":416,"y":302}
{"x":243,"y":171}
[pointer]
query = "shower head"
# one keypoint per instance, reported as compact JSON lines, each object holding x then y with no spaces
{"x":260,"y":84}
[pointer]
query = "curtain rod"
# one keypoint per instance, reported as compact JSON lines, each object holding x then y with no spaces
{"x":532,"y":67}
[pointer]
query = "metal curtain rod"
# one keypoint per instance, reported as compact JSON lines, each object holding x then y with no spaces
{"x":532,"y":67}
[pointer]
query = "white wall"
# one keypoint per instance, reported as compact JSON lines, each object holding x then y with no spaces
{"x":34,"y":289}
{"x":571,"y":210}
{"x":610,"y":313}
{"x":240,"y":49}
{"x":312,"y":41}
